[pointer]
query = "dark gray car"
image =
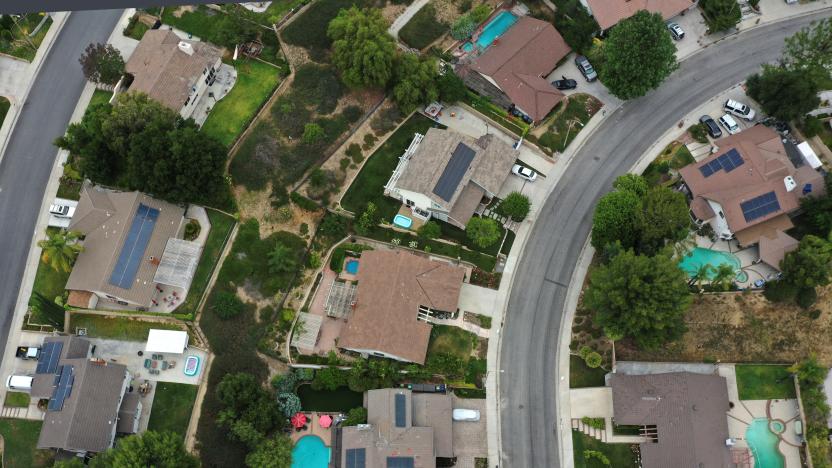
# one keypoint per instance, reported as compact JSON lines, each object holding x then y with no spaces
{"x":713,"y":129}
{"x":585,"y":68}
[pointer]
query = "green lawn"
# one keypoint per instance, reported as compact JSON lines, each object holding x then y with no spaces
{"x":497,"y":114}
{"x":135,"y":29}
{"x":203,"y":23}
{"x":563,"y":128}
{"x":759,"y":382}
{"x":5,"y":105}
{"x":117,"y":328}
{"x":619,"y":455}
{"x":278,"y":9}
{"x":368,"y":186}
{"x":232,"y":114}
{"x":221,"y":225}
{"x":48,"y":281}
{"x":423,"y":28}
{"x":17,"y":400}
{"x":172,"y":406}
{"x":581,"y":376}
{"x":21,"y":45}
{"x":21,"y":437}
{"x":451,"y":340}
{"x":100,"y":97}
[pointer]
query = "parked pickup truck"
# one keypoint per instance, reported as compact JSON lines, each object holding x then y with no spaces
{"x":27,"y":352}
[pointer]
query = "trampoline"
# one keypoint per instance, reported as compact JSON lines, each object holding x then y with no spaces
{"x":134,"y":246}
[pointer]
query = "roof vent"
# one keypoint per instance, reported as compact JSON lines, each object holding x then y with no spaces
{"x":186,"y":47}
{"x":790,"y":183}
{"x":714,"y":149}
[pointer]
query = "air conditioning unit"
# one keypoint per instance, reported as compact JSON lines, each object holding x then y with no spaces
{"x":186,"y":47}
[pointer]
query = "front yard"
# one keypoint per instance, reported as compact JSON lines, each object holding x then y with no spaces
{"x":16,"y":400}
{"x":116,"y":328}
{"x":172,"y":406}
{"x":581,"y":375}
{"x":764,"y":382}
{"x":20,"y":437}
{"x":21,"y":45}
{"x":566,"y":122}
{"x":619,"y":455}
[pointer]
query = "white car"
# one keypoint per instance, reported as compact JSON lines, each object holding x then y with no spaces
{"x":739,"y":109}
{"x":729,"y":124}
{"x":61,"y":211}
{"x":524,"y":172}
{"x":19,"y":382}
{"x":466,"y":415}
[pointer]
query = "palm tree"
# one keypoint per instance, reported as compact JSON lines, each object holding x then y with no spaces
{"x":60,"y":249}
{"x":724,"y":276}
{"x":701,"y":274}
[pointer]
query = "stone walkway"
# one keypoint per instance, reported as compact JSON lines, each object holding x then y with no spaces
{"x":405,"y":17}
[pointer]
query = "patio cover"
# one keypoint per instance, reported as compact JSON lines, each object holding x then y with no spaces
{"x":809,"y":155}
{"x":309,"y":335}
{"x":166,"y":341}
{"x":178,"y":263}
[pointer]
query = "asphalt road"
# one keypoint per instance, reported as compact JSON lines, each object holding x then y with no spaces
{"x":531,"y":331}
{"x":27,"y":162}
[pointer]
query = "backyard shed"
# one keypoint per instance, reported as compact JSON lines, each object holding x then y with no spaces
{"x":166,"y":341}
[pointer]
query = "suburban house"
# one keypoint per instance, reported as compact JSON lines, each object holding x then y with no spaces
{"x":397,"y":293}
{"x":88,"y":399}
{"x":403,"y":430}
{"x":447,"y":175}
{"x":513,"y":68}
{"x":133,"y":254}
{"x":685,"y":415}
{"x":186,"y":76}
{"x":747,"y":189}
{"x":609,"y":12}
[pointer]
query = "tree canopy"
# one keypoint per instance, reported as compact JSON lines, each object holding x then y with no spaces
{"x":415,"y":81}
{"x":810,"y":49}
{"x":451,"y":87}
{"x":60,"y":249}
{"x":361,"y":48}
{"x":138,"y":144}
{"x":151,"y":448}
{"x":810,"y":265}
{"x":664,"y":218}
{"x":783,"y":93}
{"x":516,"y":206}
{"x":575,"y":24}
{"x":482,"y":231}
{"x":638,"y":55}
{"x":102,"y":63}
{"x":720,"y":14}
{"x":273,"y":453}
{"x":616,"y":218}
{"x":632,"y":183}
{"x":640,"y":297}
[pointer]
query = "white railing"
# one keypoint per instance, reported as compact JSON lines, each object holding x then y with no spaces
{"x":403,"y":160}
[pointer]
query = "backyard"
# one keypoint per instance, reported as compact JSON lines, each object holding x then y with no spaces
{"x":172,"y":406}
{"x":423,"y":29}
{"x":116,"y":328}
{"x":764,"y":382}
{"x":566,"y":122}
{"x":20,"y":438}
{"x":21,"y":44}
{"x":619,"y":455}
{"x":341,"y":399}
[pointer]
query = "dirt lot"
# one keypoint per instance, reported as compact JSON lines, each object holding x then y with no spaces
{"x":740,"y":327}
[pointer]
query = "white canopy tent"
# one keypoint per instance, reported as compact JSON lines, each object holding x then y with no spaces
{"x":809,"y":155}
{"x":166,"y":341}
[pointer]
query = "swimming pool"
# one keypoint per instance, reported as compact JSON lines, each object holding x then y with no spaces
{"x":701,"y":256}
{"x":495,"y":28}
{"x":310,"y":452}
{"x":352,"y":266}
{"x":763,"y":445}
{"x":402,"y":221}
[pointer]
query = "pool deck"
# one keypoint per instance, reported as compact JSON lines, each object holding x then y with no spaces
{"x":747,"y":257}
{"x":313,"y":428}
{"x":404,"y":210}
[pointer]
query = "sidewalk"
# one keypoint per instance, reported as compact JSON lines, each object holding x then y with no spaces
{"x":405,"y":17}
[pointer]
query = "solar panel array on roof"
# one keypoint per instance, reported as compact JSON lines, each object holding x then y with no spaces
{"x":64,"y":387}
{"x":760,"y":206}
{"x":356,"y":458}
{"x":400,"y":462}
{"x":452,"y":175}
{"x":728,"y":161}
{"x":48,"y":358}
{"x":134,"y":246}
{"x":401,"y":410}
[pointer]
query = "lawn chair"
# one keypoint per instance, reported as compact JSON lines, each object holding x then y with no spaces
{"x":164,"y":365}
{"x":154,"y":364}
{"x":147,"y":363}
{"x":171,"y":364}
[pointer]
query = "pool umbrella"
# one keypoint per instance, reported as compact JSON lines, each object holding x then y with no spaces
{"x":325,"y":421}
{"x":298,"y":420}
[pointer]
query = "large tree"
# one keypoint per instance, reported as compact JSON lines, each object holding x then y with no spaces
{"x":60,"y":249}
{"x":665,"y":217}
{"x":451,"y":87}
{"x":102,"y":63}
{"x":818,"y":210}
{"x":810,"y":265}
{"x":638,"y":55}
{"x":361,"y":48}
{"x":783,"y":93}
{"x":151,"y":448}
{"x":640,"y":297}
{"x":482,"y":231}
{"x":415,"y":81}
{"x":810,"y":49}
{"x":632,"y":183}
{"x":576,"y":25}
{"x":720,"y":14}
{"x":616,"y":218}
{"x":273,"y":453}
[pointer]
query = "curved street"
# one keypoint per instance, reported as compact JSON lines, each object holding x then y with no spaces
{"x":528,"y":362}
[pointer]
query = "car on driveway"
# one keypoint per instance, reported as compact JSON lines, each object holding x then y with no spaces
{"x":524,"y":172}
{"x":739,"y":109}
{"x":586,"y":68}
{"x":711,"y":126}
{"x":460,"y":414}
{"x":565,"y":83}
{"x":676,"y":31}
{"x":729,"y":124}
{"x":61,"y":211}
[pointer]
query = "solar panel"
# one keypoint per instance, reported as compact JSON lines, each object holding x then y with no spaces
{"x":356,"y":458}
{"x":452,"y":175}
{"x":735,"y":157}
{"x":64,"y":387}
{"x":706,"y":170}
{"x":726,"y":162}
{"x":760,"y":206}
{"x":400,"y":462}
{"x":401,"y":410}
{"x":48,"y":358}
{"x":132,"y":251}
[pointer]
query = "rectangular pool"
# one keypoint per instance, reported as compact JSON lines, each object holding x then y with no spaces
{"x":495,"y":28}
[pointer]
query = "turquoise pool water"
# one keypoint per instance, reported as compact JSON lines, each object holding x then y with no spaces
{"x":402,"y":221}
{"x":467,"y":47}
{"x":701,"y":256}
{"x":763,"y":445}
{"x":310,"y":452}
{"x":495,"y":28}
{"x":352,"y":267}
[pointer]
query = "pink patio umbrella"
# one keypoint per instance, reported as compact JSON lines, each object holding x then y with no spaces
{"x":298,"y":420}
{"x":325,"y":421}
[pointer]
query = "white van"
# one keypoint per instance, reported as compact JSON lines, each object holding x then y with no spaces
{"x":739,"y":109}
{"x":19,"y":382}
{"x":730,"y":124}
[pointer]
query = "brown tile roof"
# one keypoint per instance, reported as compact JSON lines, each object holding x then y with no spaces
{"x":775,"y":246}
{"x":434,"y":410}
{"x":689,"y":412}
{"x":765,"y":165}
{"x":609,"y":12}
{"x":392,"y":284}
{"x":104,"y":217}
{"x":164,"y":72}
{"x":752,"y":235}
{"x":518,"y":60}
{"x":702,"y":209}
{"x":466,"y":204}
{"x":80,"y":299}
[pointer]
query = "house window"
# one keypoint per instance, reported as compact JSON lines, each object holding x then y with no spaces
{"x":187,"y":100}
{"x":721,"y":215}
{"x":408,"y":202}
{"x":204,"y":71}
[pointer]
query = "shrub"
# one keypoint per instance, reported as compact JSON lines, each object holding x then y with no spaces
{"x":314,"y":260}
{"x":480,"y":13}
{"x":312,"y":133}
{"x":227,"y":305}
{"x":584,"y":352}
{"x":303,"y":202}
{"x":595,"y":423}
{"x":344,"y":163}
{"x":483,"y":232}
{"x":290,"y":114}
{"x":430,"y":230}
{"x":603,"y":459}
{"x":319,"y":86}
{"x":352,"y":113}
{"x":811,"y":126}
{"x":356,"y":416}
{"x":463,"y":27}
{"x":367,"y":220}
{"x":336,"y":260}
{"x":814,"y":314}
{"x":699,"y":132}
{"x":806,"y":297}
{"x":780,"y":291}
{"x":333,"y":226}
{"x":192,"y":230}
{"x":593,"y":360}
{"x":279,"y":195}
{"x":464,"y":6}
{"x":386,"y":120}
{"x":369,"y":140}
{"x":516,"y":206}
{"x":354,"y":152}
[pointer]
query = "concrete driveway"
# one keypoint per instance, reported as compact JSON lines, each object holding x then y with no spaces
{"x":595,"y":88}
{"x":13,"y":77}
{"x":695,"y":29}
{"x":469,"y":436}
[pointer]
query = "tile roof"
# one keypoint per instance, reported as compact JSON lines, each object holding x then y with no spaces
{"x":689,"y":411}
{"x":774,"y":246}
{"x":392,"y":284}
{"x":609,"y":12}
{"x":163,"y":71}
{"x":765,"y":165}
{"x":519,"y":61}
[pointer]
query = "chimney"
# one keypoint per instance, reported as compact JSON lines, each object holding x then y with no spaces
{"x":186,"y":47}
